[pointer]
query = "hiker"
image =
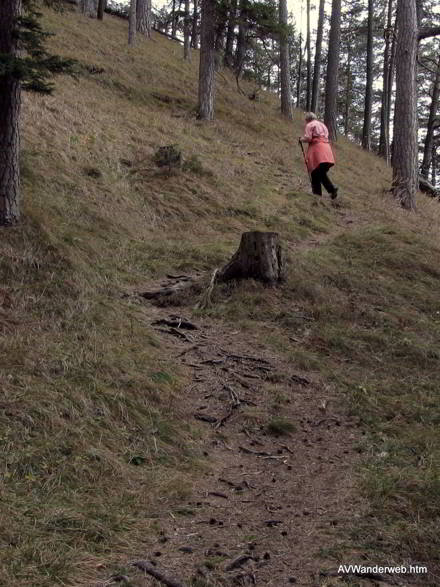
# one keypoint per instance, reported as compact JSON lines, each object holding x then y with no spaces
{"x":319,"y":155}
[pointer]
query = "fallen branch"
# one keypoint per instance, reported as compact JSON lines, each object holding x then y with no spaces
{"x":257,"y":453}
{"x":300,"y":380}
{"x":176,"y":323}
{"x":176,"y":332}
{"x":239,"y":562}
{"x":168,"y":290}
{"x":329,"y":419}
{"x":205,"y":418}
{"x":245,"y":357}
{"x":205,"y":299}
{"x":218,"y":494}
{"x":150,"y":570}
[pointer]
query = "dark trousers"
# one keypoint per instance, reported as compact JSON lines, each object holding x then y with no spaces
{"x":319,"y":177}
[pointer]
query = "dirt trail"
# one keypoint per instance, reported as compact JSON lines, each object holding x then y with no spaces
{"x":268,"y":504}
{"x":274,"y":499}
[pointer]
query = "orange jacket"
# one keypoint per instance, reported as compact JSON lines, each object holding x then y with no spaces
{"x":319,"y":150}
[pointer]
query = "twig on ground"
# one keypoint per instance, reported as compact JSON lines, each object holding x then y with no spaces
{"x":150,"y":570}
{"x":188,"y":350}
{"x":330,"y":418}
{"x":205,"y":300}
{"x":176,"y":323}
{"x":239,"y":562}
{"x":205,"y":418}
{"x":175,"y":332}
{"x":255,"y":452}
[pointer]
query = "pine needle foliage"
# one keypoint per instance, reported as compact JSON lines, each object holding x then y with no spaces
{"x":33,"y":65}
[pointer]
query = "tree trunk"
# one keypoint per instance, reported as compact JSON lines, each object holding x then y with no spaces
{"x":187,"y":33}
{"x":89,"y":7}
{"x":286,"y":98}
{"x":434,"y":165}
{"x":173,"y":20}
{"x":366,"y":132}
{"x":258,"y":257}
{"x":207,"y":61}
{"x":309,"y":62}
{"x":101,"y":8}
{"x":391,"y":76}
{"x":10,"y":101}
{"x":384,"y":139}
{"x":194,"y":29}
{"x":405,"y":180}
{"x":132,"y":23}
{"x":240,"y":51}
{"x":299,"y":78}
{"x":429,"y":140}
{"x":143,"y":17}
{"x":331,"y":91}
{"x":229,"y":49}
{"x":318,"y":58}
{"x":348,"y":89}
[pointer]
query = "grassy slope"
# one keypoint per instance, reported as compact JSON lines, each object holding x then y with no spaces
{"x":90,"y":407}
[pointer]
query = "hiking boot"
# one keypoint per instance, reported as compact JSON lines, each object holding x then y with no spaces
{"x":334,"y":194}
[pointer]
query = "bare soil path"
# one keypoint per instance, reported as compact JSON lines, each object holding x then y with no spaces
{"x":270,"y":498}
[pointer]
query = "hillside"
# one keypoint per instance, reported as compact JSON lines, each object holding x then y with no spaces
{"x":103,"y":460}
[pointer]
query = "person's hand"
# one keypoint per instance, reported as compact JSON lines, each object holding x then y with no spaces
{"x":300,"y":140}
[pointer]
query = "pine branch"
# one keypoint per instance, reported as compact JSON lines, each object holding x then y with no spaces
{"x":426,"y":32}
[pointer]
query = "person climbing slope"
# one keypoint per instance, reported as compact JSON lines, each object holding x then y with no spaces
{"x":319,"y":155}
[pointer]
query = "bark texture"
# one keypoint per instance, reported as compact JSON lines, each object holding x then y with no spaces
{"x":384,"y":139}
{"x":405,"y":176}
{"x":101,"y":8}
{"x":258,"y":257}
{"x":331,"y":93}
{"x":299,"y":75}
{"x":429,"y":140}
{"x":366,"y":132}
{"x":89,"y":7}
{"x":187,"y":33}
{"x":309,"y":62}
{"x":10,"y":100}
{"x":348,"y":93}
{"x":143,"y":17}
{"x":230,"y":35}
{"x":286,"y":99}
{"x":195,"y":26}
{"x":207,"y":61}
{"x":132,"y":23}
{"x":240,"y":51}
{"x":318,"y":59}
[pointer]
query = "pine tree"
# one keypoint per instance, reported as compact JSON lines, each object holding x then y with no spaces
{"x":318,"y":58}
{"x":366,"y":131}
{"x":286,"y":99}
{"x":24,"y":64}
{"x":405,"y":164}
{"x":331,"y":92}
{"x":132,"y":23}
{"x":309,"y":61}
{"x":433,"y":122}
{"x":143,"y":17}
{"x":187,"y":33}
{"x":387,"y":79}
{"x":101,"y":9}
{"x":207,"y":61}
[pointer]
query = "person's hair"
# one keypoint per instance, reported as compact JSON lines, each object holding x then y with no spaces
{"x":310,"y":116}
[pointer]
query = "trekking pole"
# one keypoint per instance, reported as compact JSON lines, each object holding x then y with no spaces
{"x":305,"y":160}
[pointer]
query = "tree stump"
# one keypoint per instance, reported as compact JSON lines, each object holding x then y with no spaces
{"x":259,"y":257}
